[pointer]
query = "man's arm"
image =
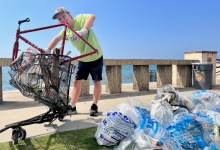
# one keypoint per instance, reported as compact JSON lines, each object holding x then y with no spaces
{"x":89,"y":22}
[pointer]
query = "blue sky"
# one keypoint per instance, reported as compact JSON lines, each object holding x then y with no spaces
{"x":151,"y":29}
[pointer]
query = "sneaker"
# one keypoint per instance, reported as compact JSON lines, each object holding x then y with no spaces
{"x":71,"y":110}
{"x":94,"y":110}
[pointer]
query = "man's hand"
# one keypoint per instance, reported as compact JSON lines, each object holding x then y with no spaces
{"x":82,"y":32}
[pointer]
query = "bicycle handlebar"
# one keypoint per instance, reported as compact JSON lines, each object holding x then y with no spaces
{"x":22,"y":21}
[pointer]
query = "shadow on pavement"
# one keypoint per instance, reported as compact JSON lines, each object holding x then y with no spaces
{"x":6,"y":105}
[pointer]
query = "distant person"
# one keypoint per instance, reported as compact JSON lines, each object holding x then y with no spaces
{"x":92,"y":64}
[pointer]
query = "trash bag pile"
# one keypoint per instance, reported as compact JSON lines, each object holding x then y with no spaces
{"x":174,"y":122}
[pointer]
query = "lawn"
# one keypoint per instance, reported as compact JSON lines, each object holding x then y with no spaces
{"x":82,"y":139}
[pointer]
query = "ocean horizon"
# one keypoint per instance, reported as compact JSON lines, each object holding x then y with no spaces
{"x":127,"y":76}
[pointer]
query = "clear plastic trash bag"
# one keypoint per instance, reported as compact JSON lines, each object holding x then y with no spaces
{"x":162,"y":112}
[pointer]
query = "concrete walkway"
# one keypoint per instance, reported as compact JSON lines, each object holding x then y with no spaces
{"x":16,"y":107}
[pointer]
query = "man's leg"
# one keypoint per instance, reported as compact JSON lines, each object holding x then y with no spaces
{"x":96,"y":73}
{"x":96,"y":96}
{"x":75,"y":95}
{"x":97,"y":91}
{"x":77,"y":86}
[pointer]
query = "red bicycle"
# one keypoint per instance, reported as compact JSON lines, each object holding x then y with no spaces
{"x":43,"y":77}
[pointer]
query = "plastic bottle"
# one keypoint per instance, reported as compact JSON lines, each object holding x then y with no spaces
{"x":170,"y":144}
{"x":216,"y":129}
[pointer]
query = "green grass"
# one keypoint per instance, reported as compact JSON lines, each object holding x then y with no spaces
{"x":83,"y":139}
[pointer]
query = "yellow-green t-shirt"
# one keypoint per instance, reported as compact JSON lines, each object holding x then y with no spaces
{"x":80,"y":45}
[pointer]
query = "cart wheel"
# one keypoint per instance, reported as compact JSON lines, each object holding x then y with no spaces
{"x":15,"y":136}
{"x":22,"y":133}
{"x":61,"y":117}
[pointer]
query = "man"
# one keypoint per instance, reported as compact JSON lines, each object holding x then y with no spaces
{"x":91,"y":64}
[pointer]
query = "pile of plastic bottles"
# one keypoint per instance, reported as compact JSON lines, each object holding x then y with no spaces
{"x":175,"y":122}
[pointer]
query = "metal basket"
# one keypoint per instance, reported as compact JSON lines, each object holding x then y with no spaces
{"x":44,"y":77}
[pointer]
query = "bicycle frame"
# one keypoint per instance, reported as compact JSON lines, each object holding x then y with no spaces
{"x":19,"y":32}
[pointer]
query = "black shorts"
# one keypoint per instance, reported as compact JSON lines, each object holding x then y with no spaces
{"x":94,"y":68}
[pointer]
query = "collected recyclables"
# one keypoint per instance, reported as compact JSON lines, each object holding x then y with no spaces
{"x":202,"y":75}
{"x":114,"y":128}
{"x":176,"y":122}
{"x":192,"y":130}
{"x":116,"y":125}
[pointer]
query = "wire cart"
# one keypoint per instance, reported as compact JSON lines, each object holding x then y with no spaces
{"x":43,"y":77}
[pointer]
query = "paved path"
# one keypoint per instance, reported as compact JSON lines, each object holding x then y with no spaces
{"x":15,"y":108}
